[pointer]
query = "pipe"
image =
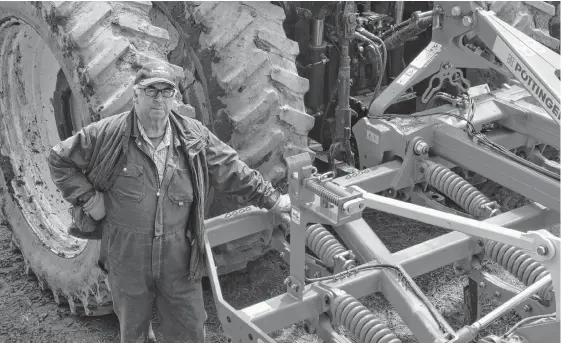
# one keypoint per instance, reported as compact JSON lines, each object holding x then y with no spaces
{"x":317,"y":33}
{"x":316,"y":74}
{"x":399,"y":6}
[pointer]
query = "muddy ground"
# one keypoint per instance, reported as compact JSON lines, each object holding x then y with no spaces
{"x":28,"y":314}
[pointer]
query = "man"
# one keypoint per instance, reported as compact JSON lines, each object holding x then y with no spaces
{"x":143,"y":176}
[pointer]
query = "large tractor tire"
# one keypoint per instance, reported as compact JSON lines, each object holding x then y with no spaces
{"x":65,"y":65}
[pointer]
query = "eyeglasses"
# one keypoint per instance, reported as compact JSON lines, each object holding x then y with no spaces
{"x":153,"y":92}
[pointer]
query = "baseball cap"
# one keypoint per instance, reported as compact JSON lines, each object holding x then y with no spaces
{"x":154,"y":72}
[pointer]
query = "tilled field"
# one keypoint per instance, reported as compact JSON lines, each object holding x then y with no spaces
{"x":28,"y":314}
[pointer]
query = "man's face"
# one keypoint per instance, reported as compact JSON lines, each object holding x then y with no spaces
{"x":151,"y":102}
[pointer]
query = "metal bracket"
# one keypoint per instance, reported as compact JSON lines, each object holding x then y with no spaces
{"x":447,"y":73}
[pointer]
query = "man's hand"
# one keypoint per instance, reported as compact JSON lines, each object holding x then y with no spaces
{"x":281,"y":210}
{"x":95,"y":207}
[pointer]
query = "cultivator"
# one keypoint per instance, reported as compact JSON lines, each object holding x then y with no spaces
{"x":406,"y":165}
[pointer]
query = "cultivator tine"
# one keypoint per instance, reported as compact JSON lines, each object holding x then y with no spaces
{"x":471,"y":302}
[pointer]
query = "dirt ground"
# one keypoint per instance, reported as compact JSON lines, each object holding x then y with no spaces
{"x":28,"y":314}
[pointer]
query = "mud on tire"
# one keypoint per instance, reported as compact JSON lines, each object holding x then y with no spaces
{"x":65,"y":65}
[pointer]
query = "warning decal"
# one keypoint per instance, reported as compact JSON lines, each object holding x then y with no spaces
{"x":406,"y":76}
{"x":295,"y":215}
{"x":427,"y":55}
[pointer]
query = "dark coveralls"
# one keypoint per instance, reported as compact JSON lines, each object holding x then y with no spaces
{"x":145,"y":246}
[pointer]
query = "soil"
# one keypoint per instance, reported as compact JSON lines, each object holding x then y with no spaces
{"x":29,"y":314}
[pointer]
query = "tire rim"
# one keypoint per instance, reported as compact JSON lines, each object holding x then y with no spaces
{"x":32,"y":83}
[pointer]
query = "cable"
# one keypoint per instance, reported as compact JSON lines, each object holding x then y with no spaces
{"x":369,"y":37}
{"x":525,"y":320}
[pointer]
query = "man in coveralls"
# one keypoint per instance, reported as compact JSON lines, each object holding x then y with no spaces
{"x":143,"y":176}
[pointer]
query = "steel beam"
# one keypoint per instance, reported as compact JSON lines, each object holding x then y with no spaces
{"x":375,"y":179}
{"x":365,"y":244}
{"x":530,"y":120}
{"x":237,"y":224}
{"x":414,"y":312}
{"x":459,"y":149}
{"x":440,"y":251}
{"x":284,"y":310}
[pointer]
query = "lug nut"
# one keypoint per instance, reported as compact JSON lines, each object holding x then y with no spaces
{"x":497,"y":294}
{"x":542,"y":250}
{"x":527,"y":308}
{"x":456,"y":11}
{"x":467,"y":21}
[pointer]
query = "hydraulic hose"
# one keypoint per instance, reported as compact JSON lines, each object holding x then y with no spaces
{"x":413,"y":29}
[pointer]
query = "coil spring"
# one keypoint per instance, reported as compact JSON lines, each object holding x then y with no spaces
{"x":356,"y":318}
{"x":456,"y":188}
{"x":323,"y":192}
{"x":323,"y":244}
{"x":519,"y":264}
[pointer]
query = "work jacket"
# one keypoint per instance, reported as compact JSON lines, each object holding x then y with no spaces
{"x":81,"y":162}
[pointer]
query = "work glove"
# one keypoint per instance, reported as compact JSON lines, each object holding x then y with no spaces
{"x":95,"y":207}
{"x":281,"y":210}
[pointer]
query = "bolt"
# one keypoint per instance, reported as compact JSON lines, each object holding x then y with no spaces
{"x":542,"y":250}
{"x":527,"y":308}
{"x":497,"y":294}
{"x":294,"y":175}
{"x":420,"y":148}
{"x":480,"y":242}
{"x":456,"y":11}
{"x":288,"y":282}
{"x":295,"y":287}
{"x":316,"y":274}
{"x":467,"y":21}
{"x":482,"y":284}
{"x":351,"y":19}
{"x":281,"y":255}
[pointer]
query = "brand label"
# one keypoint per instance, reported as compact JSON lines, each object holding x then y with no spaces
{"x":357,"y":174}
{"x":159,"y":70}
{"x":529,"y":80}
{"x":237,"y":212}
